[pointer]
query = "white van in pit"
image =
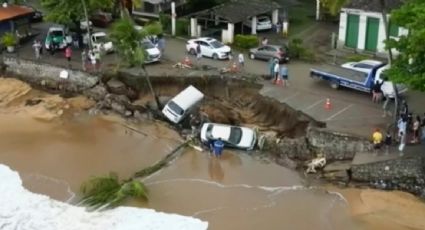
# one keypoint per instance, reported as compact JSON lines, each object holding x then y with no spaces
{"x":179,"y":107}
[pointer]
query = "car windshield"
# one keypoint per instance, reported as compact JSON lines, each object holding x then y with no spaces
{"x":216,"y":44}
{"x":102,"y":39}
{"x":177,"y":109}
{"x":147,"y":45}
{"x":56,"y":33}
{"x":235,"y":135}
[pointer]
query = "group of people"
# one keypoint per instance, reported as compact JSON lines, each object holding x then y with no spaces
{"x":278,"y":72}
{"x":410,"y":129}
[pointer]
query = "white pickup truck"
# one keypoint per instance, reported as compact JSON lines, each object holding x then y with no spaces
{"x":100,"y":41}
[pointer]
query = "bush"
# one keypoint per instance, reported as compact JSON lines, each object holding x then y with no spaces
{"x":182,"y":27}
{"x":296,"y":50}
{"x":8,"y":39}
{"x":246,"y":41}
{"x":356,"y":58}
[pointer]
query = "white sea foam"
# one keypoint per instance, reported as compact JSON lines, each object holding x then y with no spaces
{"x":22,"y":209}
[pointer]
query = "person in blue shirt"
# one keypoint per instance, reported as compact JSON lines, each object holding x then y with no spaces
{"x":284,"y":75}
{"x":218,"y":147}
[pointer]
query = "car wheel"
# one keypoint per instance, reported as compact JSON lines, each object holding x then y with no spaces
{"x":192,"y":51}
{"x":215,"y":56}
{"x":334,"y":84}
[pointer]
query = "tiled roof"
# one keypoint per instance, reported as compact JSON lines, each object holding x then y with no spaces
{"x":373,"y":5}
{"x":12,"y":11}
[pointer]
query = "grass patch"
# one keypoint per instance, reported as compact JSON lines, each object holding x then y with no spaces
{"x":301,"y":16}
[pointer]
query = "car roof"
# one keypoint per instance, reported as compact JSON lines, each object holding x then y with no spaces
{"x":220,"y":131}
{"x":55,"y":28}
{"x":205,"y":39}
{"x":263,"y":17}
{"x":370,"y":62}
{"x":99,"y":34}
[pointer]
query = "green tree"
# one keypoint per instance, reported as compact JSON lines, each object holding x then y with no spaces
{"x":127,"y":40}
{"x":67,"y":12}
{"x":334,"y":6}
{"x":409,"y":66}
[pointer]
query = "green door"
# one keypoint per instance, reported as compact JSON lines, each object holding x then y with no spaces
{"x":372,"y":29}
{"x":352,"y":35}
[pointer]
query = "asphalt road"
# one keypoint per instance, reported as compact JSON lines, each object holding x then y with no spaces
{"x":351,"y":111}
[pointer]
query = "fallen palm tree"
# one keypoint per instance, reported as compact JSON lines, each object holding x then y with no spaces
{"x":109,"y":191}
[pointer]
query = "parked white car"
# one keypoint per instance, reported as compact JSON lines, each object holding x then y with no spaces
{"x":152,"y":51}
{"x":210,"y":47}
{"x":363,"y":66}
{"x":388,"y":87}
{"x":100,"y":41}
{"x":232,"y":136}
{"x":263,"y":23}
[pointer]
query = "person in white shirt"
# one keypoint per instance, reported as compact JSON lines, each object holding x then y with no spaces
{"x":276,"y":72}
{"x":241,"y":60}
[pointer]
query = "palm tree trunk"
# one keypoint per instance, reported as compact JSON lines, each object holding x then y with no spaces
{"x":148,"y":80}
{"x":86,"y":15}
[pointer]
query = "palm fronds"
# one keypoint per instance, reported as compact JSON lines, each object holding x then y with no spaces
{"x":109,"y":191}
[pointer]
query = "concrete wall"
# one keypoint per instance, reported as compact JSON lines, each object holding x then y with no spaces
{"x":405,"y":173}
{"x":362,"y":28}
{"x":335,"y":145}
{"x":38,"y":73}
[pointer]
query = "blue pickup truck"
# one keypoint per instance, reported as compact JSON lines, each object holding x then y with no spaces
{"x":360,"y":80}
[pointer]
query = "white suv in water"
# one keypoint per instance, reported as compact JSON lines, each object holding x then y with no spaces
{"x":232,"y":136}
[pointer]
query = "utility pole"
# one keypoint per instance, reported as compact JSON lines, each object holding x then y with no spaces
{"x":88,"y":23}
{"x":173,"y":18}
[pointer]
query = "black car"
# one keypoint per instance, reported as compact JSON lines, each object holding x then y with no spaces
{"x":37,"y":15}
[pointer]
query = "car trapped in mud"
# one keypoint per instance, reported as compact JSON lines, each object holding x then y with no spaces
{"x":232,"y":136}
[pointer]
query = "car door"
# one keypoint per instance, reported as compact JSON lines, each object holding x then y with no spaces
{"x":261,"y":52}
{"x":205,"y":49}
{"x":270,"y":52}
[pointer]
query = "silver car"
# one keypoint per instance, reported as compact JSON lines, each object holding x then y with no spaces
{"x":269,"y":51}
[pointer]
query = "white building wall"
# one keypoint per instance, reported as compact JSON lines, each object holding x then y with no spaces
{"x":342,"y":29}
{"x":361,"y":39}
{"x":362,"y":28}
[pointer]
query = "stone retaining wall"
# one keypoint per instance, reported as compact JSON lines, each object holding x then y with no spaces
{"x":336,"y":145}
{"x":45,"y":74}
{"x":405,"y":173}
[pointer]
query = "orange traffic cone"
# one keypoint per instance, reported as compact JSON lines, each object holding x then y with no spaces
{"x":187,"y":61}
{"x":328,"y":104}
{"x":279,"y":81}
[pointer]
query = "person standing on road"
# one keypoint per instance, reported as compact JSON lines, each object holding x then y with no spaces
{"x":241,"y":60}
{"x":402,"y":126}
{"x":37,"y":48}
{"x":402,"y":143}
{"x":68,"y":54}
{"x":416,"y":126}
{"x":264,"y":41}
{"x":376,"y":91}
{"x":198,"y":53}
{"x":276,"y":72}
{"x":284,"y":75}
{"x":387,"y":142}
{"x":92,"y":58}
{"x":84,"y":59}
{"x":377,"y":140}
{"x":161,"y":44}
{"x":271,"y":67}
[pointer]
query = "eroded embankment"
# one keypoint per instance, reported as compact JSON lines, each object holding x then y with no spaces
{"x":288,"y":134}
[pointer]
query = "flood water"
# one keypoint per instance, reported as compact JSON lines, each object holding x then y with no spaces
{"x":237,"y":191}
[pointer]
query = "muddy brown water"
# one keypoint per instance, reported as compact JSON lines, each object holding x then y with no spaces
{"x":55,"y":155}
{"x":235,"y":192}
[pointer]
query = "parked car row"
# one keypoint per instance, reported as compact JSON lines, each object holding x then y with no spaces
{"x":184,"y":103}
